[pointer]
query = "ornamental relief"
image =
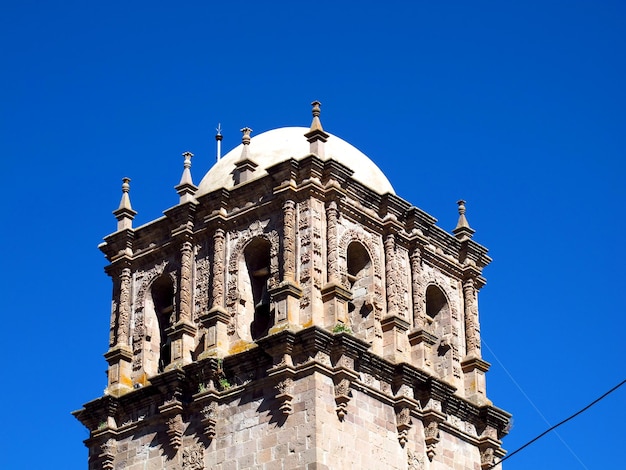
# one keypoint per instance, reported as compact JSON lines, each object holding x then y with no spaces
{"x":403,"y":274}
{"x":144,"y":280}
{"x":304,"y":249}
{"x":373,"y":248}
{"x":237,"y":242}
{"x":430,"y":275}
{"x":193,"y":458}
{"x":201,"y":285}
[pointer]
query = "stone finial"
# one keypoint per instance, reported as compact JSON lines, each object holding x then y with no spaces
{"x":244,"y":166}
{"x":462,"y":231}
{"x":316,"y":135}
{"x":125,"y":213}
{"x":186,"y":189}
{"x":245,"y":138}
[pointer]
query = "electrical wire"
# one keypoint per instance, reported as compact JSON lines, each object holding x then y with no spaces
{"x":559,"y":424}
{"x":519,"y":387}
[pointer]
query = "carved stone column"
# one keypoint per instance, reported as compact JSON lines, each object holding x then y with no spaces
{"x":417,"y":287}
{"x":421,"y":341}
{"x":394,"y":326}
{"x":186,"y":259}
{"x":123,"y":316}
{"x":390,"y":275}
{"x":331,"y":229}
{"x":289,"y":241}
{"x":334,"y":295}
{"x":216,"y":319}
{"x":120,"y":355}
{"x":286,"y":296}
{"x":217,"y":287}
{"x":472,"y":329}
{"x":474,"y":368}
{"x":183,"y":331}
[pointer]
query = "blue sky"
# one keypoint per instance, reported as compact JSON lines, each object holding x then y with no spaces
{"x":517,"y":107}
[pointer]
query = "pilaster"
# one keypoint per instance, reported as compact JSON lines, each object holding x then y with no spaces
{"x":394,"y":338}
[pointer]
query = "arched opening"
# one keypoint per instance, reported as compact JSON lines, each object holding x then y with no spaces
{"x":438,"y":322}
{"x":257,"y":259}
{"x":436,"y":305}
{"x":162,"y":296}
{"x":361,"y":281}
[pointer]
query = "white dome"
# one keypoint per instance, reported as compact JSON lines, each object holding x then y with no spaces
{"x":275,"y":146}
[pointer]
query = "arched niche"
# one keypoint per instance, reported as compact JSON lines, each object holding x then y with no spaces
{"x":256,"y":317}
{"x":360,"y":274}
{"x":439,"y":323}
{"x":437,"y":310}
{"x":159,"y":314}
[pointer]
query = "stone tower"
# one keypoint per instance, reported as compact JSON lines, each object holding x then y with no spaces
{"x":292,"y":312}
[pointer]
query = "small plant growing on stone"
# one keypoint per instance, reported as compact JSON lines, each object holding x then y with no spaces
{"x":102,"y":425}
{"x":202,"y":387}
{"x":222,"y":381}
{"x":342,"y":328}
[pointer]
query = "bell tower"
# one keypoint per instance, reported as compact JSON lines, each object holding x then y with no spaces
{"x":292,"y":312}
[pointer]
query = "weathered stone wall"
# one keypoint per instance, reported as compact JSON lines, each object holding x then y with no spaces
{"x":252,"y":433}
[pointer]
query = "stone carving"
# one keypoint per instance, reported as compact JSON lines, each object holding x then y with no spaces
{"x":419,"y":290}
{"x":472,"y":331}
{"x":217,"y":293}
{"x":318,"y":263}
{"x":342,"y":397}
{"x":391,"y":278}
{"x":193,"y":458}
{"x":174,"y":431}
{"x":415,"y":461}
{"x":108,"y":449}
{"x":303,"y":222}
{"x":304,"y":238}
{"x":254,"y":231}
{"x":289,"y":242}
{"x":331,"y":229}
{"x":123,"y":317}
{"x":114,"y":307}
{"x":144,"y":279}
{"x":403,"y":288}
{"x":285,"y":395}
{"x":487,"y":458}
{"x":209,"y":419}
{"x":403,"y":424}
{"x":202,"y":287}
{"x":373,"y":249}
{"x":431,"y":434}
{"x":186,"y":259}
